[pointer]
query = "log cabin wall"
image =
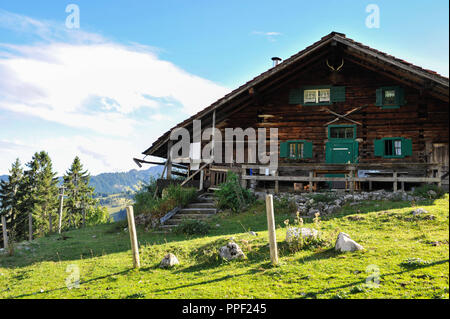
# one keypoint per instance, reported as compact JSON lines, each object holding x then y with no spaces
{"x":423,"y":119}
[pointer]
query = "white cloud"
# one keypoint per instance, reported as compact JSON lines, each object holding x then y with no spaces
{"x":60,"y":78}
{"x":271,"y":35}
{"x":83,"y":80}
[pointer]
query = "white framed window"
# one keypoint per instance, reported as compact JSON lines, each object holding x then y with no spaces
{"x":389,"y":97}
{"x":324,"y":95}
{"x":310,"y":96}
{"x":316,"y":96}
{"x":398,"y":147}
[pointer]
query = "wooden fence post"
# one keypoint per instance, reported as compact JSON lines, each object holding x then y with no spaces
{"x":271,"y":230}
{"x":30,"y":226}
{"x":133,"y":237}
{"x":61,"y":205}
{"x":5,"y":234}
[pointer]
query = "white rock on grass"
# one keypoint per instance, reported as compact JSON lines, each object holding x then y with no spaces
{"x":231,"y":251}
{"x":345,"y":243}
{"x":169,"y":261}
{"x":419,"y":211}
{"x":293,"y":233}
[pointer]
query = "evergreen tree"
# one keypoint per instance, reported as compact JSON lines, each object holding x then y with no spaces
{"x":80,"y":195}
{"x":40,"y":192}
{"x":10,"y":202}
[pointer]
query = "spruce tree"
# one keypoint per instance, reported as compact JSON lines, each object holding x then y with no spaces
{"x":79,"y":194}
{"x":40,"y":189}
{"x":10,"y":202}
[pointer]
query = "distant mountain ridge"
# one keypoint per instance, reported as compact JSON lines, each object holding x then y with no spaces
{"x":112,"y":183}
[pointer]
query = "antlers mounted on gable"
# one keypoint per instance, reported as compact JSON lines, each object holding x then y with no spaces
{"x":338,"y":68}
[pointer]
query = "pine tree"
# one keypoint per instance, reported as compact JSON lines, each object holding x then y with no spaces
{"x":40,"y":192}
{"x":79,"y":194}
{"x":10,"y":202}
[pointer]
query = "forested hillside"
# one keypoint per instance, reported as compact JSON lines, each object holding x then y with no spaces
{"x":112,"y":183}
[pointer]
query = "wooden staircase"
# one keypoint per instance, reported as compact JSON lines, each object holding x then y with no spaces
{"x":200,"y":209}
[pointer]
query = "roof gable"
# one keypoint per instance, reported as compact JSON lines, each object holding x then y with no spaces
{"x":413,"y":75}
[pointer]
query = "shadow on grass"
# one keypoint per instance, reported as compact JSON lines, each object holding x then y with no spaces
{"x":65,"y":287}
{"x":383,"y":276}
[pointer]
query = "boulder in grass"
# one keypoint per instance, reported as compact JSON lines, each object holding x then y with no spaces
{"x":419,"y":211}
{"x":169,"y":261}
{"x":345,"y":243}
{"x":231,"y":251}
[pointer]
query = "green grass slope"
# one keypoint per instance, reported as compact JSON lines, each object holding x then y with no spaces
{"x":103,"y":258}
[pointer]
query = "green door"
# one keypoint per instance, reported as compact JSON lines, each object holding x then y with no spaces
{"x":341,"y":148}
{"x":338,"y":152}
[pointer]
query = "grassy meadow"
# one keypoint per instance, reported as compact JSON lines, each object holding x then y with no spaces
{"x":393,"y":239}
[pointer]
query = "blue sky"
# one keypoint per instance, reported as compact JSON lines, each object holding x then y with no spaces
{"x":134,"y":69}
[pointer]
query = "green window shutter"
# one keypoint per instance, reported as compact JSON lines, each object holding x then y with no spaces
{"x":406,"y":147}
{"x":284,"y":149}
{"x":400,"y":96}
{"x":337,"y":93}
{"x":307,"y":149}
{"x":379,"y":100}
{"x":379,"y":147}
{"x":296,"y":96}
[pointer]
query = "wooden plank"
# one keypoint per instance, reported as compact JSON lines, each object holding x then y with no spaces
{"x":341,"y":179}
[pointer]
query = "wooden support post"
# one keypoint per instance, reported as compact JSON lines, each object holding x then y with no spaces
{"x":5,"y":234}
{"x":439,"y":175}
{"x":370,"y":185}
{"x":395,"y":181}
{"x":30,"y":227}
{"x":213,"y":135}
{"x":202,"y":176}
{"x":310,"y":181}
{"x":403,"y":186}
{"x":277,"y":183}
{"x":243,"y":181}
{"x":352,"y":181}
{"x":169,"y":160}
{"x":271,"y":230}
{"x":133,"y":237}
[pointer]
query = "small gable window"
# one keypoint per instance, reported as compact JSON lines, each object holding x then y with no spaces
{"x":317,"y":95}
{"x":390,"y":97}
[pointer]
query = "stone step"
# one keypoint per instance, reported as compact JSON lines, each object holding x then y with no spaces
{"x":202,"y":205}
{"x":167,"y":226}
{"x":197,"y":211}
{"x":190,"y":216}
